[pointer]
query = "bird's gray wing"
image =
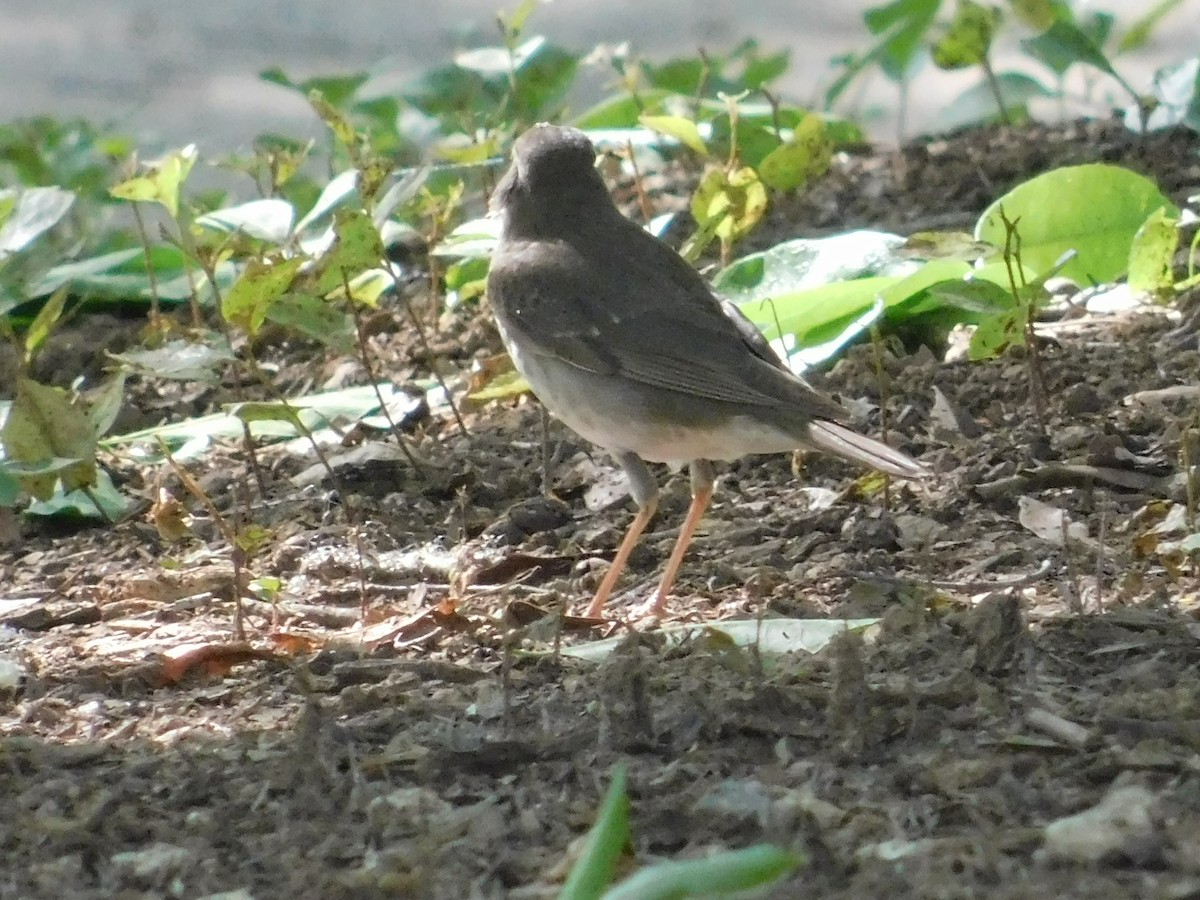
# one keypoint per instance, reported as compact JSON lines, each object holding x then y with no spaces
{"x":665,"y":329}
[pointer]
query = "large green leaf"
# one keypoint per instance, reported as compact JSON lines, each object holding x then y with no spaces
{"x":33,"y":211}
{"x":733,"y":873}
{"x":1094,"y":209}
{"x":605,"y":843}
{"x":812,"y":262}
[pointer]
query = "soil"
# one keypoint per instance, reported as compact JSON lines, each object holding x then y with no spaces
{"x":1022,"y":721}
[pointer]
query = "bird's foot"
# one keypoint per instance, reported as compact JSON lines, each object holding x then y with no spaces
{"x":653,"y":608}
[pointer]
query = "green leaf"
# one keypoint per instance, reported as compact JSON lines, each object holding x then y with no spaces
{"x":474,"y":239}
{"x":751,"y":137}
{"x":1177,"y":99}
{"x":684,"y":76}
{"x":843,"y":132}
{"x":44,"y":425}
{"x":720,"y":875}
{"x":10,"y":487}
{"x":605,"y":843}
{"x":1062,"y":45}
{"x":162,"y":182}
{"x":356,"y":248}
{"x":1140,"y":31}
{"x":317,"y":318}
{"x":365,"y":288}
{"x":335,"y":120}
{"x":342,"y":188}
{"x":487,"y":60}
{"x":984,"y":298}
{"x":820,"y":315}
{"x":336,"y":89}
{"x":683,"y":130}
{"x":902,"y":26}
{"x":945,"y":245}
{"x":447,"y":91}
{"x":274,"y":411}
{"x":105,"y":404}
{"x":1037,"y":14}
{"x":79,"y":271}
{"x":815,"y":315}
{"x":762,"y":70}
{"x":729,"y":203}
{"x":621,"y":111}
{"x":968,"y":39}
{"x":33,"y":211}
{"x":1152,"y":253}
{"x":1094,"y":209}
{"x":977,"y":104}
{"x":406,"y":187}
{"x":542,"y":81}
{"x":806,"y":155}
{"x":179,"y":360}
{"x":266,"y":220}
{"x":465,"y":280}
{"x":44,"y":322}
{"x":514,"y":22}
{"x":769,"y":636}
{"x":247,"y":303}
{"x":100,"y":501}
{"x":336,"y":407}
{"x":995,"y":334}
{"x":812,"y":262}
{"x":504,"y":386}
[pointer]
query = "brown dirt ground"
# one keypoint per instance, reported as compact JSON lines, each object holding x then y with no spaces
{"x":1016,"y":680}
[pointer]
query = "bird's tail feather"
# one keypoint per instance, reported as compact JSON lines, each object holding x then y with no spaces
{"x":829,"y":437}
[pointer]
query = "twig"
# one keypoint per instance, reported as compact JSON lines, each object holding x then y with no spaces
{"x":994,"y":85}
{"x":1062,"y":730}
{"x":248,"y":443}
{"x":236,"y":553}
{"x":973,"y":587}
{"x":364,"y":356}
{"x":1072,"y":574}
{"x":638,"y":187}
{"x":423,"y":339}
{"x":1013,"y":267}
{"x":151,"y":274}
{"x":881,"y":384}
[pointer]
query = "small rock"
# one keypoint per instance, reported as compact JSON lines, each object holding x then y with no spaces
{"x":1080,"y":399}
{"x":1121,"y":827}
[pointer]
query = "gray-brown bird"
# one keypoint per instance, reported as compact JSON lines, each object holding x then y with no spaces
{"x":625,"y":342}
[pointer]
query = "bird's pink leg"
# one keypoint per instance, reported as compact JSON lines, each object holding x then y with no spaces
{"x":636,"y":527}
{"x":702,"y":491}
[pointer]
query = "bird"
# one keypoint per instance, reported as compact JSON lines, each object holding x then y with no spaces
{"x":626,"y":343}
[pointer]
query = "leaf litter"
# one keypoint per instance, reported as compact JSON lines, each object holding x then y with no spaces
{"x":1022,"y":720}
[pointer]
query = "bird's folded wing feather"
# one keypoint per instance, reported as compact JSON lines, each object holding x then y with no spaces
{"x":668,"y":332}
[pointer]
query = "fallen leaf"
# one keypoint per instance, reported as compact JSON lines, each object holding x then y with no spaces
{"x":211,"y":659}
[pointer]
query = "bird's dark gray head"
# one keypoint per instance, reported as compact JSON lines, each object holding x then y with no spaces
{"x":552,"y":179}
{"x":548,"y":155}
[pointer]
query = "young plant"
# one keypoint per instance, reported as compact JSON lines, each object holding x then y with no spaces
{"x":723,"y":874}
{"x":906,"y":31}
